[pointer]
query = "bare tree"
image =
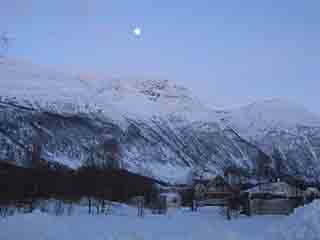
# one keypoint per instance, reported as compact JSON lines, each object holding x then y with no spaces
{"x":5,"y":41}
{"x":36,"y":155}
{"x":109,"y":154}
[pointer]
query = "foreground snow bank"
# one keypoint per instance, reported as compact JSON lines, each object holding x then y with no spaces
{"x":303,"y":224}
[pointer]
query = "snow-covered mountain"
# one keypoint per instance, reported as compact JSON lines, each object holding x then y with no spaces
{"x":254,"y":119}
{"x":60,"y":92}
{"x":161,"y":130}
{"x":287,"y":132}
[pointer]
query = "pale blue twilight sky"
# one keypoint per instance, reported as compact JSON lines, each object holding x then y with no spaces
{"x":227,"y":52}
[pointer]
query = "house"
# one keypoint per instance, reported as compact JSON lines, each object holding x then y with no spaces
{"x":235,"y":176}
{"x":276,"y":189}
{"x":218,"y":185}
{"x":310,"y":194}
{"x":166,"y":200}
{"x":274,"y":198}
{"x":173,"y":199}
{"x":200,"y":191}
{"x":214,"y":192}
{"x":272,"y":206}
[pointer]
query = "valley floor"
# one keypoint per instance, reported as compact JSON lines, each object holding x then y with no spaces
{"x":123,"y":224}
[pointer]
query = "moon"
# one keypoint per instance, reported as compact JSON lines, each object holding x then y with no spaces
{"x":137,"y":31}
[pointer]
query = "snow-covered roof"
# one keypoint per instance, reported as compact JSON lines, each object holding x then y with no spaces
{"x":280,"y":188}
{"x":171,"y":196}
{"x":312,"y":190}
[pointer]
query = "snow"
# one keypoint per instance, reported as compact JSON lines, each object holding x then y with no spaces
{"x":279,"y":188}
{"x":303,"y":224}
{"x":168,"y":172}
{"x":171,"y":196}
{"x":160,"y":102}
{"x":71,"y":163}
{"x":46,"y":87}
{"x":58,"y":91}
{"x":254,"y":119}
{"x":123,"y":223}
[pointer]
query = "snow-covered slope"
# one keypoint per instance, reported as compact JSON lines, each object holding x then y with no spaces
{"x":286,"y":131}
{"x":160,"y":128}
{"x":256,"y":118}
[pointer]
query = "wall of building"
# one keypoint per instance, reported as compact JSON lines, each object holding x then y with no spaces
{"x":272,"y":207}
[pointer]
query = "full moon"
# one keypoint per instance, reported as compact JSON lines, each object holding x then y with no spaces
{"x":137,"y":31}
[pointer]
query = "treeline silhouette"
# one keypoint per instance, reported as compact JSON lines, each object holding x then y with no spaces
{"x":27,"y":185}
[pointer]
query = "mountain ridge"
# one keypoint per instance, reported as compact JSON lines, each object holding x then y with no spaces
{"x":161,"y":129}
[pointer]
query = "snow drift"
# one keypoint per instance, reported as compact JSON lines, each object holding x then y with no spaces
{"x":303,"y":224}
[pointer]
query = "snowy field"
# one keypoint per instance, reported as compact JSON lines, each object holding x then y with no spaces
{"x":122,"y":223}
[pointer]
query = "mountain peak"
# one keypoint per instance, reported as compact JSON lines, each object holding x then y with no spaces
{"x":44,"y":88}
